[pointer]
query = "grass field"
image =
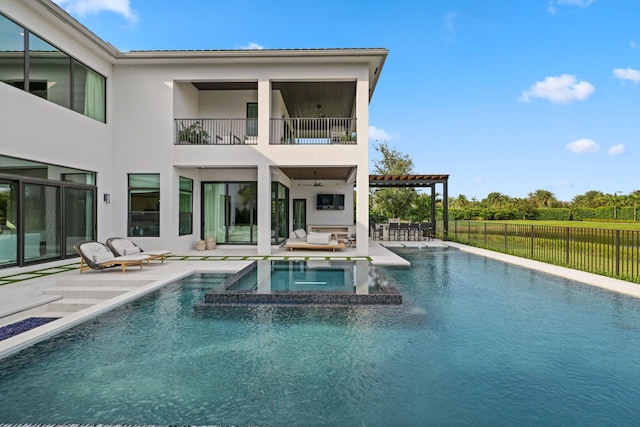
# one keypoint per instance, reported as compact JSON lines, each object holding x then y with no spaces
{"x":577,"y":224}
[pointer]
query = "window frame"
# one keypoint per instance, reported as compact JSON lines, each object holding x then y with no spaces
{"x":134,"y":228}
{"x":181,"y":213}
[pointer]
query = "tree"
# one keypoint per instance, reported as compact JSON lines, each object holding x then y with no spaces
{"x":393,"y":202}
{"x":543,"y":199}
{"x":495,"y":200}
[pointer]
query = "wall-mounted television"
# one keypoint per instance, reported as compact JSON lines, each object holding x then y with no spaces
{"x":325,"y":202}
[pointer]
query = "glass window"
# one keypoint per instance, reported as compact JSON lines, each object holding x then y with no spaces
{"x":279,"y":212}
{"x":89,"y":90}
{"x":8,"y":223}
{"x":229,"y":212}
{"x":11,"y":53}
{"x":144,"y":205}
{"x":185,"y":213}
{"x":49,"y":72}
{"x":79,"y":216}
{"x":252,"y":119}
{"x":41,"y":222}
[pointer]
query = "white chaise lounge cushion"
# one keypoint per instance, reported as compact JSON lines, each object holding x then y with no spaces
{"x":319,"y":238}
{"x":97,"y":252}
{"x":125,"y":246}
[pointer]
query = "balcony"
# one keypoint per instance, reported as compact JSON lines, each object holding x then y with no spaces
{"x":216,"y":131}
{"x":283,"y":131}
{"x":313,"y":131}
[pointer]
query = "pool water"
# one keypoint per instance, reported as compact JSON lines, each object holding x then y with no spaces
{"x":317,"y":276}
{"x":476,"y":342}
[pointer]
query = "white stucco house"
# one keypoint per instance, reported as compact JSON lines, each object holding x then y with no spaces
{"x":170,"y":147}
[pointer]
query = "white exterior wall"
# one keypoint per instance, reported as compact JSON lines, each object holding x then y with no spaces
{"x":150,"y":97}
{"x":37,"y":129}
{"x":145,"y":95}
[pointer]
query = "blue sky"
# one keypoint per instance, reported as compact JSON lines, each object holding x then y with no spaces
{"x":502,"y":95}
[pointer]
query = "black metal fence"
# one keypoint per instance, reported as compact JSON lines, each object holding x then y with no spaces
{"x":614,"y":253}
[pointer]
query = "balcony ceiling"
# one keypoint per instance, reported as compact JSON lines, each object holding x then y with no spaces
{"x":319,"y":173}
{"x":307,"y":100}
{"x":318,"y":99}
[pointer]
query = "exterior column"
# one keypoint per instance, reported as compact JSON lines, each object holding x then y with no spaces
{"x":264,"y":210}
{"x":264,"y":112}
{"x":362,"y":174}
{"x":264,"y":170}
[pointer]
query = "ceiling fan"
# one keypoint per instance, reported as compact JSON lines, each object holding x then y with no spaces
{"x":315,"y":181}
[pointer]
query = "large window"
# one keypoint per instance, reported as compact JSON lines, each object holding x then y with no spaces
{"x":229,"y":212}
{"x":49,"y":73}
{"x":144,"y":205}
{"x":185,"y":213}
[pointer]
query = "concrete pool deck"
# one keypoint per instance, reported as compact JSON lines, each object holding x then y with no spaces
{"x":58,"y":290}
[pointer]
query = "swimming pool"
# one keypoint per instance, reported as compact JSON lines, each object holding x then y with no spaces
{"x":323,"y":282}
{"x":476,"y":342}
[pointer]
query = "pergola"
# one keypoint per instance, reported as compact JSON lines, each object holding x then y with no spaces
{"x":419,"y":181}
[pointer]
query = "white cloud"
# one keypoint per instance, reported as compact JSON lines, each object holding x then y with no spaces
{"x":617,"y":150}
{"x":583,"y":146}
{"x":378,"y":134}
{"x":562,"y":89}
{"x":252,"y":46}
{"x":574,"y":3}
{"x":84,"y":7}
{"x":627,"y":74}
{"x":633,"y":44}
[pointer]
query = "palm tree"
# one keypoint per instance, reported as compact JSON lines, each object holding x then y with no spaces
{"x":543,"y":199}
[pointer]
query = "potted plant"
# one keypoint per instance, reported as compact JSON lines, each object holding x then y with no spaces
{"x":193,"y":134}
{"x":349,"y":137}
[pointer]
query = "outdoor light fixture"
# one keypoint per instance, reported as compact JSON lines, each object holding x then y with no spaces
{"x":107,"y":198}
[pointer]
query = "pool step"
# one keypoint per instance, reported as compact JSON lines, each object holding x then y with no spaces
{"x":73,"y":304}
{"x":87,"y":292}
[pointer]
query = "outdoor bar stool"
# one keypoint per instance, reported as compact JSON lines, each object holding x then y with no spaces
{"x":394,"y":231}
{"x":414,"y":231}
{"x":426,"y":230}
{"x":403,"y":231}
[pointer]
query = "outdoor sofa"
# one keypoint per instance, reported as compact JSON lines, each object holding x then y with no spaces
{"x":300,"y":239}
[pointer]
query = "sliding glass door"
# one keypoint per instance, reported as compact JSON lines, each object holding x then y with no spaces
{"x":229,"y":212}
{"x":279,"y":213}
{"x":79,"y":217}
{"x":8,"y":223}
{"x":42,"y":223}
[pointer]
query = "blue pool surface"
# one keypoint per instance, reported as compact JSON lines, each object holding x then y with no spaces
{"x":476,"y":342}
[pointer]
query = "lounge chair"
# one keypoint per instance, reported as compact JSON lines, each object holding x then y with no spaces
{"x":123,"y":247}
{"x":98,"y":256}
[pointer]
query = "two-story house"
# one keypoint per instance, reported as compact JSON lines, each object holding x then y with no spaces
{"x":170,"y":147}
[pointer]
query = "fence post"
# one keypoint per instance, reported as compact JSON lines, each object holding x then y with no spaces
{"x":566,"y":246}
{"x":532,"y":233}
{"x":485,"y":234}
{"x":617,"y":252}
{"x":505,"y":238}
